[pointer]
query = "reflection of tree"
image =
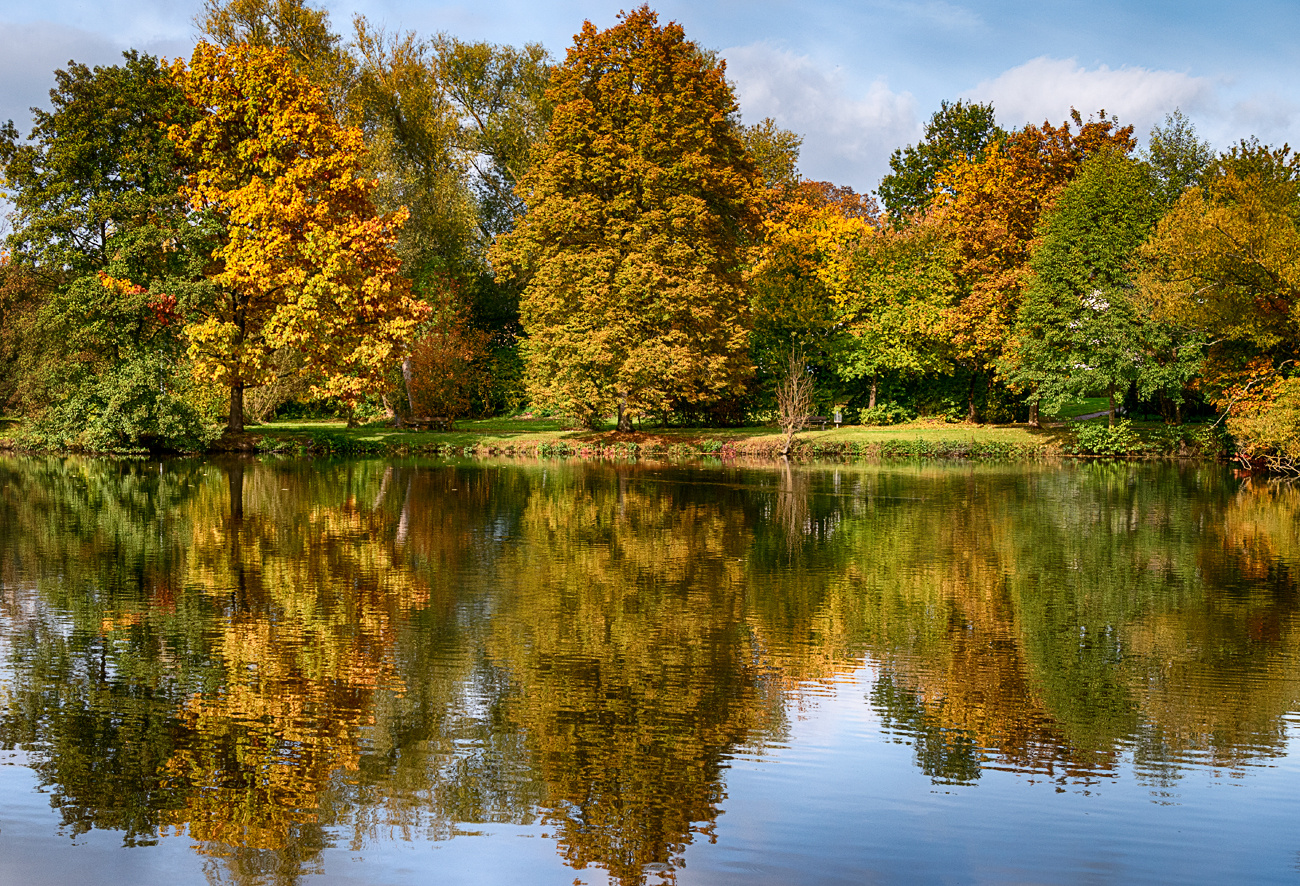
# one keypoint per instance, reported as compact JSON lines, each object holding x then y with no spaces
{"x":1059,"y":617}
{"x":635,"y":671}
{"x":371,"y":649}
{"x":945,"y":753}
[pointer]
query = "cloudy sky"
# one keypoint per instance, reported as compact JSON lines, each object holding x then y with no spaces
{"x":856,"y":79}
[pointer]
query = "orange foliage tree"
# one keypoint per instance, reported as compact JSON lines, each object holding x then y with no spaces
{"x":992,"y":205}
{"x":304,"y":261}
{"x":449,"y":367}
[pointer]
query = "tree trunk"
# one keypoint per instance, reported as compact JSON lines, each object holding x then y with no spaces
{"x":871,"y":402}
{"x":406,"y":380}
{"x":1033,"y":415}
{"x":1178,"y":413}
{"x":235,"y":421}
{"x":624,"y":418}
{"x":391,"y":413}
{"x":1110,"y":392}
{"x":970,"y":400}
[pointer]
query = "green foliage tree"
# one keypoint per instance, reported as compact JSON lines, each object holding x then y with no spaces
{"x":992,"y":207}
{"x":775,"y":152}
{"x":450,"y":126}
{"x":896,"y":287}
{"x":639,"y":204}
{"x":1080,"y":328}
{"x":96,"y":196}
{"x":959,"y":130}
{"x":499,"y":96}
{"x":1177,"y":157}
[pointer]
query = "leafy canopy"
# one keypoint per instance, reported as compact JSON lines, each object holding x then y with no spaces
{"x":96,"y":195}
{"x":304,"y":260}
{"x":958,"y":131}
{"x":1081,"y":328}
{"x":639,"y":204}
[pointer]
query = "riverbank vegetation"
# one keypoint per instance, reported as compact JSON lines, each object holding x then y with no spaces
{"x":428,"y":231}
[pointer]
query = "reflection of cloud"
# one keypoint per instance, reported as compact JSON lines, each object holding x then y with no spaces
{"x":1046,"y":88}
{"x":847,"y":138}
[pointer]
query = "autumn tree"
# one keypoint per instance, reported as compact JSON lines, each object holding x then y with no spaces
{"x":638,"y":207}
{"x":808,"y":230}
{"x":992,"y":205}
{"x":1225,"y":262}
{"x":449,"y":367}
{"x":304,"y":261}
{"x":891,"y":292}
{"x":1080,"y":328}
{"x":302,"y":30}
{"x":958,"y":131}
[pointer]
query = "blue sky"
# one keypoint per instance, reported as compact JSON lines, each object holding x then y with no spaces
{"x":856,"y":79}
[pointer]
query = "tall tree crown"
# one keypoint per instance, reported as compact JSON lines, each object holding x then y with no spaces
{"x":641,"y":201}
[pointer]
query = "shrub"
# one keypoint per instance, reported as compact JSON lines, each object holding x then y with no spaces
{"x":1098,"y":439}
{"x":886,"y":414}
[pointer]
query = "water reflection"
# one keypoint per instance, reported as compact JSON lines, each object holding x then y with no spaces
{"x":278,"y":657}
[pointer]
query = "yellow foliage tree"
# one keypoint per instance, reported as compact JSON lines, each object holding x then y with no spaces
{"x":640,"y":204}
{"x":303,"y":259}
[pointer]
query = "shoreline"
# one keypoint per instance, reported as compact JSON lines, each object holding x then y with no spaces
{"x":491,"y":438}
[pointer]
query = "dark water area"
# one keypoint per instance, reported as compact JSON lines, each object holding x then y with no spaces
{"x":401,"y":672}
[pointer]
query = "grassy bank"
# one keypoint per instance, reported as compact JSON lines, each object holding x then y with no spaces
{"x":531,"y":437}
{"x":548,"y":438}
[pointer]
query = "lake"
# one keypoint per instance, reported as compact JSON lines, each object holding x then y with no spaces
{"x":545,"y":672}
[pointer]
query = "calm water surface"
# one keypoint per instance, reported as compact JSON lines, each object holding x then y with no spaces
{"x":377,"y":672}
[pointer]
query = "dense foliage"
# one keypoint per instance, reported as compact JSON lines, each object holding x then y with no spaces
{"x":638,"y":208}
{"x":295,"y":216}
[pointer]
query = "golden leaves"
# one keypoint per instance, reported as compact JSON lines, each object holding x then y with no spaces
{"x":306,"y":262}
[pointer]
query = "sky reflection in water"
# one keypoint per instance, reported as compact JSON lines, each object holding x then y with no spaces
{"x":383,"y":672}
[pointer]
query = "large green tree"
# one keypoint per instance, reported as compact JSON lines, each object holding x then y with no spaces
{"x":639,"y":204}
{"x":1080,"y":328}
{"x":95,"y":190}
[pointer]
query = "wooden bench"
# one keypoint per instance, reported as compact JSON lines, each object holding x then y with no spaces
{"x":822,"y":420}
{"x":432,"y":423}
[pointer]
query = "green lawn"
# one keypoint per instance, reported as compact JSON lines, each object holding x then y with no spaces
{"x":526,"y":434}
{"x":1085,"y":406}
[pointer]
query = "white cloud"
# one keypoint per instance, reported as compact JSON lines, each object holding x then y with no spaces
{"x":1046,"y":88}
{"x":848,"y":133}
{"x":31,"y":52}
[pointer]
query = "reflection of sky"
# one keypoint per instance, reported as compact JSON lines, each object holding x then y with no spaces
{"x":838,"y":802}
{"x":32,"y":855}
{"x":855,"y":77}
{"x":842,"y":803}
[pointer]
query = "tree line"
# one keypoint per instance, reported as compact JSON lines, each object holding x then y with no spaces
{"x":396,"y":225}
